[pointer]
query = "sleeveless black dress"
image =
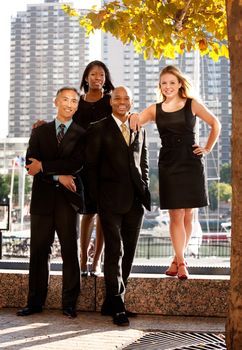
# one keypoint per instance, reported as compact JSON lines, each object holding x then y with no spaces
{"x":89,"y":112}
{"x":182,"y":181}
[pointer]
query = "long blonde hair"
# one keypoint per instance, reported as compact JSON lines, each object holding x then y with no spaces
{"x":186,"y":88}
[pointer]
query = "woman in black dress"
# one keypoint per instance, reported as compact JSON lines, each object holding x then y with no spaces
{"x":182,"y":181}
{"x":94,"y":105}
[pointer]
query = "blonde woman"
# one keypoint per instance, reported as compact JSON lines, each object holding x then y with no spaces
{"x":182,"y":183}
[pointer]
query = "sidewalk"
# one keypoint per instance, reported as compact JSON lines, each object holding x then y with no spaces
{"x":50,"y":330}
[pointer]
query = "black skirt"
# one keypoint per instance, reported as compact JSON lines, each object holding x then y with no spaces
{"x":182,"y":182}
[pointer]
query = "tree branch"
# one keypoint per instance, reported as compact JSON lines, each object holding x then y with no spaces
{"x":180,"y":16}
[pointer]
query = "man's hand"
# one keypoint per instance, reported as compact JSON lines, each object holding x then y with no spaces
{"x":39,"y":122}
{"x":68,"y":182}
{"x":35,"y":167}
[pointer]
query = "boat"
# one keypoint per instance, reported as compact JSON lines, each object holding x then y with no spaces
{"x":224,"y":235}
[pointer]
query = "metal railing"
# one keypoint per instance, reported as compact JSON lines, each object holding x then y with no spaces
{"x":148,"y":247}
{"x":155,"y":247}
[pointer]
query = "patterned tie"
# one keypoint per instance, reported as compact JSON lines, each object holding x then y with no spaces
{"x":61,"y":133}
{"x":125,"y":132}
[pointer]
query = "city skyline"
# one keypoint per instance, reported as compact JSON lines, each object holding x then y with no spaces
{"x":12,"y":7}
{"x":211,"y":79}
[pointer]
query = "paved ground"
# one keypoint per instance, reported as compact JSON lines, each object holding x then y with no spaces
{"x":90,"y":331}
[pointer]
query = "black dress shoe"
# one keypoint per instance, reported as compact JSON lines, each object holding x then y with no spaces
{"x":28,"y":310}
{"x":120,"y":319}
{"x":70,"y":312}
{"x":108,"y":312}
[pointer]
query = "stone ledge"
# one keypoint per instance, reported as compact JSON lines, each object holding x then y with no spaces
{"x":146,"y":293}
{"x":160,"y":268}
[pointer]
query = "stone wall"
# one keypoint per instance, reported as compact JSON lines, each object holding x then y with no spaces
{"x":146,"y":294}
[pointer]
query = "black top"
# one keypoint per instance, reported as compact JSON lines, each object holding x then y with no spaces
{"x":89,"y":112}
{"x":181,"y":122}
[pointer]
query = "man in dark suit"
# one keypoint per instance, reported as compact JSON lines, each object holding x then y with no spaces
{"x":117,"y":168}
{"x":55,"y":158}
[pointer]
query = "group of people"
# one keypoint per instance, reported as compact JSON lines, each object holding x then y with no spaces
{"x":92,"y":160}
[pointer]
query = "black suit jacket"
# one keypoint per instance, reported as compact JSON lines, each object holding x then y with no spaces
{"x":116,"y":173}
{"x":65,"y":159}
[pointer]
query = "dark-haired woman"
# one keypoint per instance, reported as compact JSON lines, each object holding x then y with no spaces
{"x":94,"y":105}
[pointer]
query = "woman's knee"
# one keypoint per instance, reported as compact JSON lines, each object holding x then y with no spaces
{"x":177,"y":215}
{"x":188,"y":214}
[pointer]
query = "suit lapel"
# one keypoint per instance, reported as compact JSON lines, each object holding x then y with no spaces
{"x":116,"y":132}
{"x":70,"y":138}
{"x":52,"y":139}
{"x":133,"y":134}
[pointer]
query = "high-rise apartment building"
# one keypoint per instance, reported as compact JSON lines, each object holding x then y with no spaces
{"x":211,"y":81}
{"x":49,"y":49}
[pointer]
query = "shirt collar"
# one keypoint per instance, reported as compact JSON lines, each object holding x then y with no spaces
{"x":58,"y":123}
{"x":119,"y":122}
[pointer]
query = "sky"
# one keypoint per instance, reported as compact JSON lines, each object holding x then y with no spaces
{"x":11,"y":7}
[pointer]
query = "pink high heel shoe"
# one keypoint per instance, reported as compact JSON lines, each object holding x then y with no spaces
{"x":172,"y":273}
{"x":185,"y":274}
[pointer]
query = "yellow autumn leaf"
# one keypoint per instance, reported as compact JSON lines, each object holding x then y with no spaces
{"x":170,"y":25}
{"x":214,"y":55}
{"x":224,"y":51}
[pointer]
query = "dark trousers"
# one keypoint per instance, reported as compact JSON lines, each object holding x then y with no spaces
{"x":121,"y":232}
{"x":65,"y":222}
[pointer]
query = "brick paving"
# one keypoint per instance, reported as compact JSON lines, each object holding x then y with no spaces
{"x":50,"y":330}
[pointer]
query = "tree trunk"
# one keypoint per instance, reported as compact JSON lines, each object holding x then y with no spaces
{"x":234,"y":320}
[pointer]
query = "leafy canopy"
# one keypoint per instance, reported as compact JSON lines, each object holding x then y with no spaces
{"x":162,"y":27}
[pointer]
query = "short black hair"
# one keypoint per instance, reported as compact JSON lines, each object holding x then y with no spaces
{"x":67,"y":88}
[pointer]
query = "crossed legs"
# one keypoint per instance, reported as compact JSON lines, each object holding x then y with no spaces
{"x":180,"y":232}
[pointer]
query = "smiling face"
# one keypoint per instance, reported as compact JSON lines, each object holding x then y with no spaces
{"x":66,"y":103}
{"x":121,"y":102}
{"x":169,"y":85}
{"x":96,"y":78}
